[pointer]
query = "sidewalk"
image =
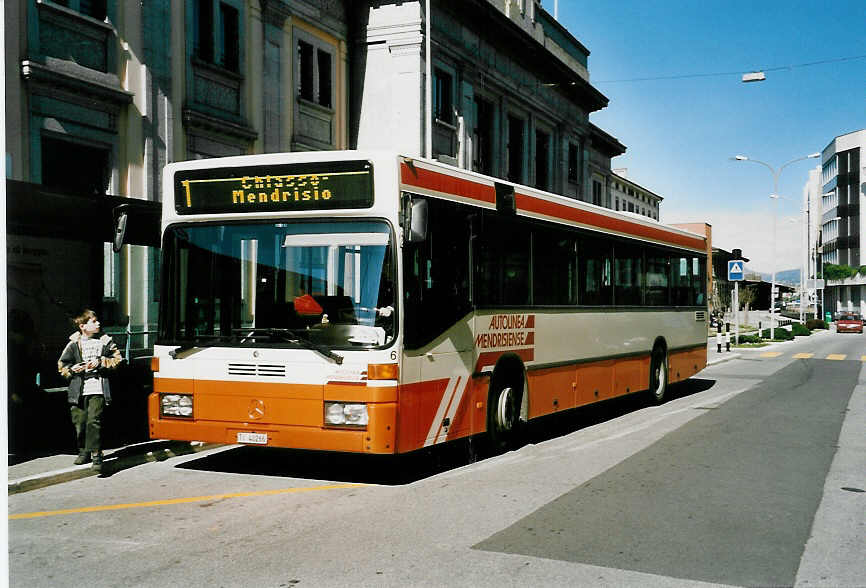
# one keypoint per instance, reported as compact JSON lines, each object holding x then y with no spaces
{"x":56,"y":469}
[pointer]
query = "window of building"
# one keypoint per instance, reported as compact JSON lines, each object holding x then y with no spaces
{"x":229,"y":51}
{"x":617,"y":203}
{"x":596,"y":192}
{"x":542,"y":160}
{"x":93,"y":8}
{"x":443,"y":99}
{"x":307,"y":71}
{"x":575,"y":163}
{"x":203,"y":30}
{"x":515,"y":149}
{"x":217,"y":43}
{"x":482,"y":137}
{"x":315,"y":73}
{"x":631,"y":206}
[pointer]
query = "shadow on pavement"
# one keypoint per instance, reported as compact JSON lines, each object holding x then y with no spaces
{"x":393,"y":470}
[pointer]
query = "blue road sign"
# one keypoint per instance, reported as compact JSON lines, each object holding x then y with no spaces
{"x":735,"y":270}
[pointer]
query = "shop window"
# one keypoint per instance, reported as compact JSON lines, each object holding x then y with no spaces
{"x":74,"y":168}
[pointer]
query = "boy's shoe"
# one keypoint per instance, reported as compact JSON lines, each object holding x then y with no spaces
{"x":83,"y":458}
{"x":97,"y":462}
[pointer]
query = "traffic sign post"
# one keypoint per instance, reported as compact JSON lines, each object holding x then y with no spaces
{"x":736,"y":275}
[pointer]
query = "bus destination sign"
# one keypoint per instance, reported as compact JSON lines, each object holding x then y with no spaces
{"x":320,"y":186}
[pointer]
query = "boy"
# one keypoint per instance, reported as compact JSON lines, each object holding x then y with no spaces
{"x":85,"y":361}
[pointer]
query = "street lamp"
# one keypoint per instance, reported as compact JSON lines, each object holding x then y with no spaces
{"x":775,"y":196}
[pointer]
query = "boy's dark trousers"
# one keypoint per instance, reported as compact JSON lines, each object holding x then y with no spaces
{"x":87,"y":419}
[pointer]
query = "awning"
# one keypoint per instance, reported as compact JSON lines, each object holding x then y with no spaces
{"x":33,"y":210}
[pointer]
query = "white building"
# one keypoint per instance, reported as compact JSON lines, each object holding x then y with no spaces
{"x":632,"y":197}
{"x":843,"y":219}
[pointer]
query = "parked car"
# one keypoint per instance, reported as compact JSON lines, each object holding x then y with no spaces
{"x":848,"y":322}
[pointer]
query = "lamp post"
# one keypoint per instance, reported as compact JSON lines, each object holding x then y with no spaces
{"x":775,"y":196}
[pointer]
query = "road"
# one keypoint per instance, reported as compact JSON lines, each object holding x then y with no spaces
{"x":750,"y":474}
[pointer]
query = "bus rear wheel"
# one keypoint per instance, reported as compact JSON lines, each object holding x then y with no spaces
{"x":503,"y":415}
{"x":658,"y":383}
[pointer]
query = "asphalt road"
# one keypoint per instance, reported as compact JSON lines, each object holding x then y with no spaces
{"x":751,"y":474}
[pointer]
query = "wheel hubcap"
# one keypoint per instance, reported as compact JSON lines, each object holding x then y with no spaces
{"x":660,"y":381}
{"x":504,"y":413}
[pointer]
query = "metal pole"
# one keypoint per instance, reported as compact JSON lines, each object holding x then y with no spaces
{"x":737,"y":313}
{"x":775,"y":197}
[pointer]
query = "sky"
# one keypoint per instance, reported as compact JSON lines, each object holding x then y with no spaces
{"x":681,"y":133}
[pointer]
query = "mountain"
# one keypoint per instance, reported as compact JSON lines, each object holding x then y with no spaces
{"x":791,"y":277}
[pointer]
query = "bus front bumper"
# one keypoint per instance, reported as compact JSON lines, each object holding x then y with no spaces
{"x":377,"y":437}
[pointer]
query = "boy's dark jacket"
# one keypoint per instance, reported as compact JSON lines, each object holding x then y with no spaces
{"x":109,"y":359}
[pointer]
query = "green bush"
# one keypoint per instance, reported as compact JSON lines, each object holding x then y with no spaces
{"x":780,"y":334}
{"x":749,"y":339}
{"x":813,"y":324}
{"x":800,"y":330}
{"x":838,"y":272}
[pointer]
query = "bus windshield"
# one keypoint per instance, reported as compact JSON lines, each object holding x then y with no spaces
{"x":279,"y":284}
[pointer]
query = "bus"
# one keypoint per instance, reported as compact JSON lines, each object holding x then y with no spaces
{"x":370,"y":302}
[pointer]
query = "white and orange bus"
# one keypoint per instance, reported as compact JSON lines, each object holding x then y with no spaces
{"x":368,"y":302}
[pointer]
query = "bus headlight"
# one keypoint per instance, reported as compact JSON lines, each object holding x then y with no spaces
{"x":175,"y":405}
{"x":346,"y":415}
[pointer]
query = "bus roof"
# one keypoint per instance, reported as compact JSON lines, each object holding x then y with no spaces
{"x":437,"y":179}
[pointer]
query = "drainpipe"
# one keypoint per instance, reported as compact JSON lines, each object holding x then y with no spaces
{"x":428,"y":85}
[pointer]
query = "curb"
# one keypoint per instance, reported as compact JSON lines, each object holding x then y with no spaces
{"x":724,"y":356}
{"x":111,"y":465}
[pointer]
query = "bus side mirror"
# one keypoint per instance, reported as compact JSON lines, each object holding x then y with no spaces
{"x":119,"y":231}
{"x":415,"y":221}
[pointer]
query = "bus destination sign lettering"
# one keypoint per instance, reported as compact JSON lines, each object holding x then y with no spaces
{"x":342,"y":184}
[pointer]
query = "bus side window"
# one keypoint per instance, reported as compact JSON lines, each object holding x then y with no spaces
{"x":595,"y":272}
{"x":437,"y":274}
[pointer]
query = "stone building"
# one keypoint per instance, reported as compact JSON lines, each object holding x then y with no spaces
{"x":101,"y":94}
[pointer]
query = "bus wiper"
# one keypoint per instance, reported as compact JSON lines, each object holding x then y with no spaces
{"x":291,"y":336}
{"x":191,"y":345}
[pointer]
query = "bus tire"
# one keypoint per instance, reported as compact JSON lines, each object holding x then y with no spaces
{"x":503,"y":411}
{"x":658,"y":380}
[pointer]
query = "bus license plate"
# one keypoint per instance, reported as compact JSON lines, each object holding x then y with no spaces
{"x":254,"y":438}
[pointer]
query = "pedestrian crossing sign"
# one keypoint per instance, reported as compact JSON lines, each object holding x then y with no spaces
{"x":735,"y":270}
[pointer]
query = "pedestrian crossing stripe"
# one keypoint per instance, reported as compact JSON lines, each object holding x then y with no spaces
{"x":831,"y":357}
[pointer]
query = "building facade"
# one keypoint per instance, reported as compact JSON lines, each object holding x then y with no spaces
{"x":508,"y":95}
{"x":843,"y":205}
{"x":101,"y":94}
{"x":631,"y":197}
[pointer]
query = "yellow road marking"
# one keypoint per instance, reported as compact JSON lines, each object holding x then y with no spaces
{"x":836,"y":356}
{"x":803,"y":355}
{"x":189,"y":499}
{"x":771,"y":354}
